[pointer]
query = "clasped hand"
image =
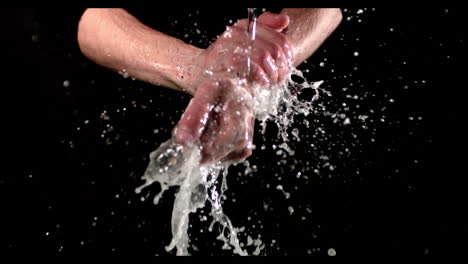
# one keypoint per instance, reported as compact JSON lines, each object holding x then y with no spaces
{"x":220,"y":117}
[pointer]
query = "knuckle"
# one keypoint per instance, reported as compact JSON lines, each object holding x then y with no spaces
{"x":276,"y":51}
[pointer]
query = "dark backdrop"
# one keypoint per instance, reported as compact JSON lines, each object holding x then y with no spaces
{"x":387,"y":182}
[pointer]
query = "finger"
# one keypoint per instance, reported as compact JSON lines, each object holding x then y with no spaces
{"x":280,"y":39}
{"x":233,"y":132}
{"x":276,"y":44}
{"x":214,"y":142}
{"x":279,"y":57}
{"x":257,"y":75}
{"x":215,"y":133}
{"x":244,"y":146}
{"x":283,"y":66}
{"x":265,"y":32}
{"x":196,"y":115}
{"x":263,"y":58}
{"x":220,"y":141}
{"x":277,"y":22}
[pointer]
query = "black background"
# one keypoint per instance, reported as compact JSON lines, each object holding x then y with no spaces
{"x":395,"y":188}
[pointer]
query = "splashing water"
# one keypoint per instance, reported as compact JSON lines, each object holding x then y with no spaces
{"x":173,"y":164}
{"x":281,"y":103}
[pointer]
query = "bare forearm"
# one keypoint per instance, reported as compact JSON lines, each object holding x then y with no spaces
{"x":115,"y":39}
{"x":309,"y":28}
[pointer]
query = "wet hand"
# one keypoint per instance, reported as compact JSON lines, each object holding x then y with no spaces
{"x":220,"y":119}
{"x":270,"y":55}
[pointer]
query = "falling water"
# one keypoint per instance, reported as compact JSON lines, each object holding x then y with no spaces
{"x":251,"y":31}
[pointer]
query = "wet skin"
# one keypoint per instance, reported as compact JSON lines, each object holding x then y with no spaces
{"x":220,"y":116}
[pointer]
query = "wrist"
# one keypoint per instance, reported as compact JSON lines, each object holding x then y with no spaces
{"x":170,"y":63}
{"x":187,"y":73}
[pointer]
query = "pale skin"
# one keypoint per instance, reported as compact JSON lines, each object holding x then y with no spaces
{"x":219,"y":116}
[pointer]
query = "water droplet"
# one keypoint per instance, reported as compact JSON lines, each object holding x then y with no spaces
{"x":124,"y":73}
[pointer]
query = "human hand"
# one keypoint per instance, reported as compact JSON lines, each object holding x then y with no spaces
{"x":270,"y":56}
{"x":220,"y":116}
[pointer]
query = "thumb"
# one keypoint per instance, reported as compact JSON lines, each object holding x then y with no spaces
{"x":275,"y":21}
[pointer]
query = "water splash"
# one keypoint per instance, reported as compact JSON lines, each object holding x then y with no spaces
{"x":280,"y":104}
{"x":173,"y":164}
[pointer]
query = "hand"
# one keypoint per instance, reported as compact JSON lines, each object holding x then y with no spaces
{"x":271,"y":54}
{"x":220,"y":116}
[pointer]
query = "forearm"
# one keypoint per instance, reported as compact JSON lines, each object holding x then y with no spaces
{"x":115,"y":39}
{"x":309,"y":28}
